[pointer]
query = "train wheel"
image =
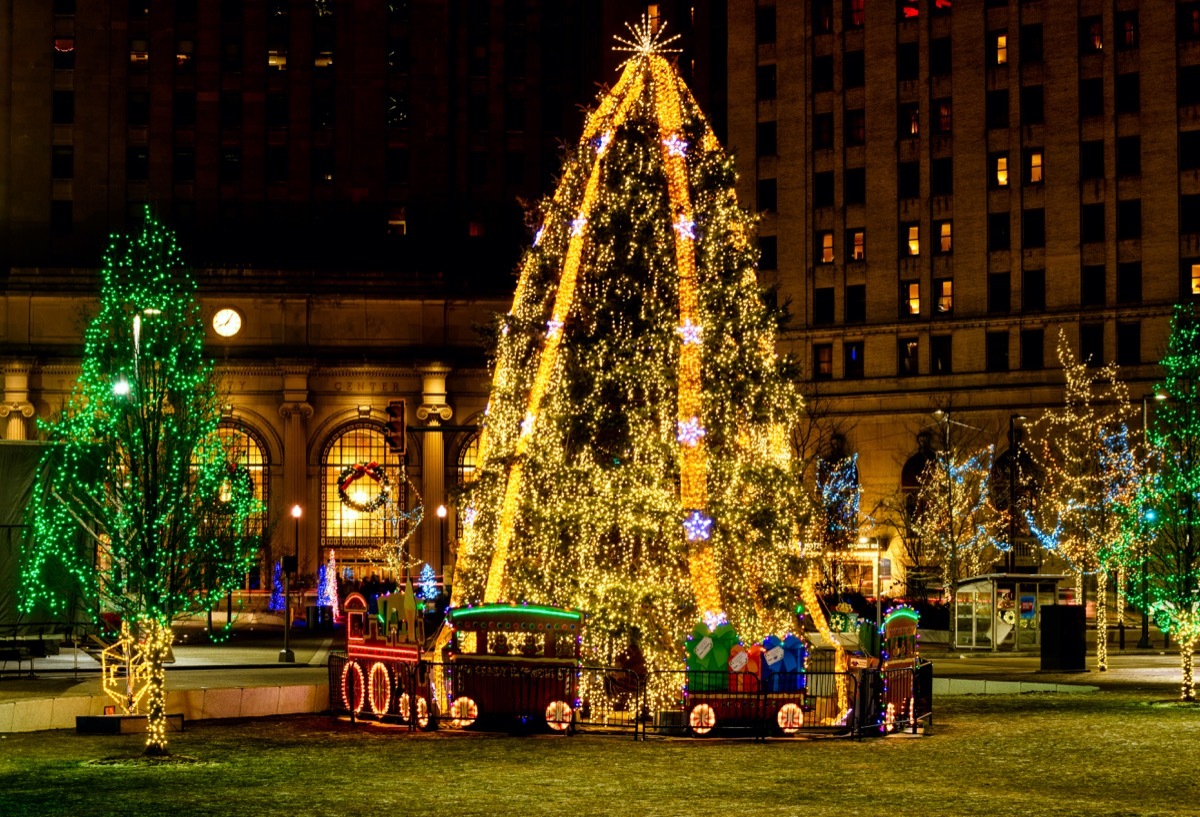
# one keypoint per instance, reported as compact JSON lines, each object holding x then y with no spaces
{"x":702,"y":719}
{"x":558,"y":715}
{"x":464,"y":712}
{"x":402,"y":704}
{"x":790,"y":718}
{"x":381,"y":689}
{"x":425,"y":720}
{"x":353,"y":685}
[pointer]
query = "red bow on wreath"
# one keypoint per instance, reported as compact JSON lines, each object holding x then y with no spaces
{"x":358,"y":470}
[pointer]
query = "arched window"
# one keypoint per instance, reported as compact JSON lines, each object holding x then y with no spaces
{"x":246,"y":448}
{"x":468,"y":461}
{"x":354,"y":534}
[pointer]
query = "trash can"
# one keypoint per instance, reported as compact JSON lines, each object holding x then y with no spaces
{"x":325,"y":617}
{"x":311,"y":617}
{"x":1064,"y":643}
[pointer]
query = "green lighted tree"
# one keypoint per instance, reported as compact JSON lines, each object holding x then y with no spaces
{"x":139,"y":473}
{"x":1169,"y":502}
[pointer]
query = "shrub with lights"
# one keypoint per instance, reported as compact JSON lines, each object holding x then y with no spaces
{"x":635,"y":460}
{"x":139,"y":472}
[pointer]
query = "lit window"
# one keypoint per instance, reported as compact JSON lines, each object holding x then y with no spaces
{"x":139,"y":54}
{"x":858,"y":245}
{"x":185,"y":52}
{"x":398,"y":222}
{"x":827,"y":248}
{"x":359,"y":536}
{"x":277,"y":59}
{"x":943,"y":113}
{"x":323,"y":59}
{"x":822,"y":361}
{"x":944,"y":236}
{"x":653,"y":16}
{"x":856,"y":13}
{"x":1001,"y":49}
{"x":914,"y":121}
{"x":1196,"y":279}
{"x":1096,"y":35}
{"x":945,"y":297}
{"x":913,"y":243}
{"x":64,"y":53}
{"x":912,"y":298}
{"x":1035,"y":167}
{"x":1002,"y":171}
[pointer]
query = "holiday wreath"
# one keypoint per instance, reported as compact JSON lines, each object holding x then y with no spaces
{"x":352,"y":473}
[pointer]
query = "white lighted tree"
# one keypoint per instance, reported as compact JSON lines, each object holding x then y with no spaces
{"x":1088,"y":467}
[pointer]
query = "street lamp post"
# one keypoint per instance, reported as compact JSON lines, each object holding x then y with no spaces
{"x":1144,"y":641}
{"x":286,"y":656}
{"x":441,"y":514}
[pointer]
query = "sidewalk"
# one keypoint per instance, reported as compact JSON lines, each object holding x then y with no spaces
{"x":242,"y":678}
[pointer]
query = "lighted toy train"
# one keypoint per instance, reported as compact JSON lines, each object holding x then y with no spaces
{"x":505,"y":666}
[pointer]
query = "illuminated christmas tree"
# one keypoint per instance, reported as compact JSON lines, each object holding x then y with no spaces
{"x":1089,"y":469}
{"x":1168,"y":504}
{"x":277,"y":603}
{"x":139,"y":471}
{"x":327,"y":592}
{"x":950,"y":513}
{"x":635,"y":461}
{"x":427,"y":583}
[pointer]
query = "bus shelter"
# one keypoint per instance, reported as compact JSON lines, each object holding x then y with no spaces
{"x":1002,"y":611}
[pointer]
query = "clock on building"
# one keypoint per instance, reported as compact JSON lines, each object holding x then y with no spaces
{"x":227,"y":322}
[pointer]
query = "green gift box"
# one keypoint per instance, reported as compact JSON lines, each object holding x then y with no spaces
{"x":708,"y":657}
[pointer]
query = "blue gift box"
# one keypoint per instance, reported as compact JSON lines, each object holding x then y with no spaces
{"x":786,"y":672}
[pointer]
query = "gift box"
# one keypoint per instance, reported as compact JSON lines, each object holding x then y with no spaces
{"x":708,"y":657}
{"x":745,"y":668}
{"x":783,"y":663}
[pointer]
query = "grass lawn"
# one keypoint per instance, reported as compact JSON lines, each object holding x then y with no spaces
{"x":1104,"y":753}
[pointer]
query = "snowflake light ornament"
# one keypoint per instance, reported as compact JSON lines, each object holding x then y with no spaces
{"x":686,"y":228}
{"x":578,"y":224}
{"x":689,"y":332}
{"x":697,"y":526}
{"x":690,"y":432}
{"x":675,"y":145}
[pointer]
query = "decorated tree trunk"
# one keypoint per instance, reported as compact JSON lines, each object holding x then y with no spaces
{"x":635,"y":461}
{"x":158,"y":648}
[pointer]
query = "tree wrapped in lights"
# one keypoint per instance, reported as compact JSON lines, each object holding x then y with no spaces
{"x":327,"y":585}
{"x":140,"y":470}
{"x":635,"y":461}
{"x":1089,"y":470}
{"x":837,"y":518}
{"x":1162,"y":522}
{"x":951,"y":514}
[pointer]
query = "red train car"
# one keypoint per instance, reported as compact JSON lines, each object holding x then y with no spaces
{"x":513,"y":666}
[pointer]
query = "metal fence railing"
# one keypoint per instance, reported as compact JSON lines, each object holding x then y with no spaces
{"x":515,"y":697}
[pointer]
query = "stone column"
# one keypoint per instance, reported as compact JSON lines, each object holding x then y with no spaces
{"x":433,"y":411}
{"x":295,"y":411}
{"x":16,"y":408}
